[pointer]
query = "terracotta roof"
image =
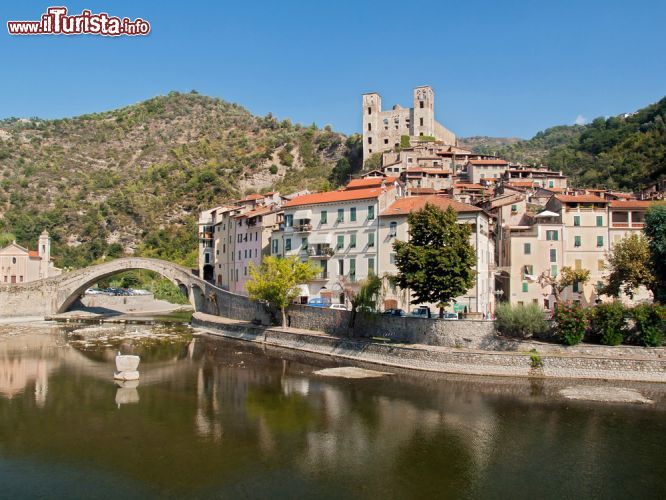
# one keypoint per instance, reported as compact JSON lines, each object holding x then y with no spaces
{"x":520,"y":183}
{"x":422,"y":190}
{"x":334,"y":197}
{"x":630,"y":204}
{"x":33,"y":254}
{"x":369,"y":182}
{"x":409,"y":204}
{"x":582,"y":198}
{"x":253,"y":197}
{"x":255,"y":212}
{"x":488,"y":162}
{"x":554,"y":189}
{"x":467,"y":185}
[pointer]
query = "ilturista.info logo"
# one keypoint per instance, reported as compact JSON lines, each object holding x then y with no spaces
{"x":57,"y":21}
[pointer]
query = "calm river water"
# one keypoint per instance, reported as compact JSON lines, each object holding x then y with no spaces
{"x":218,"y":418}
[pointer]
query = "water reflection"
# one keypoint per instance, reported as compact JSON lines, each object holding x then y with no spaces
{"x":218,"y":418}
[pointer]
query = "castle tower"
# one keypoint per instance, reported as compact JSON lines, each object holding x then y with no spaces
{"x":424,"y":111}
{"x":44,"y":250}
{"x":372,"y":107}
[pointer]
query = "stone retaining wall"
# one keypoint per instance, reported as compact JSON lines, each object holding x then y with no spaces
{"x":442,"y":359}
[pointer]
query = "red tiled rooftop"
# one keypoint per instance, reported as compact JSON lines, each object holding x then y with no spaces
{"x":369,"y":182}
{"x":33,"y":254}
{"x":581,"y":198}
{"x":643,"y":204}
{"x":409,"y":204}
{"x":334,"y":197}
{"x":488,"y":162}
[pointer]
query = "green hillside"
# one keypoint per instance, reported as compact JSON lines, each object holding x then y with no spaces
{"x":620,"y":152}
{"x":132,"y":180}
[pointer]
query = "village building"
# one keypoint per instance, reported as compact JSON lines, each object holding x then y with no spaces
{"x":20,"y":265}
{"x":478,"y":301}
{"x":338,"y":232}
{"x":486,"y":171}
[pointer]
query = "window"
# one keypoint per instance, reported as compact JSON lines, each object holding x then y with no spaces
{"x":600,"y":241}
{"x":551,"y":184}
{"x":385,"y":141}
{"x":341,"y":241}
{"x":369,"y":140}
{"x":553,"y":255}
{"x":274,"y":248}
{"x":600,"y":220}
{"x":527,"y":248}
{"x":224,"y":248}
{"x":578,"y":264}
{"x":552,"y":235}
{"x":576,"y":287}
{"x":352,"y":214}
{"x":553,"y":270}
{"x":371,"y":266}
{"x":324,"y":217}
{"x":371,"y":212}
{"x":206,"y":258}
{"x":514,"y":208}
{"x":393,"y":229}
{"x":369,"y":111}
{"x":341,"y":215}
{"x":371,"y":239}
{"x":577,"y":241}
{"x":529,"y":269}
{"x":525,"y":287}
{"x":576,"y":220}
{"x":601,"y":265}
{"x":289,"y":220}
{"x":352,"y":268}
{"x":421,"y":105}
{"x":392,"y":258}
{"x":421,"y":122}
{"x":245,"y":271}
{"x":287,"y":244}
{"x":352,"y":240}
{"x":239,"y":255}
{"x":341,"y":267}
{"x":304,"y":243}
{"x":369,"y":127}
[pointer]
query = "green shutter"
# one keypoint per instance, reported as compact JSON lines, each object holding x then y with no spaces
{"x":576,"y":220}
{"x":600,"y":220}
{"x":371,"y":212}
{"x":600,"y":241}
{"x":324,"y":217}
{"x":576,"y":241}
{"x":341,"y":241}
{"x":371,"y":239}
{"x":352,"y":214}
{"x":525,"y":286}
{"x":527,"y":248}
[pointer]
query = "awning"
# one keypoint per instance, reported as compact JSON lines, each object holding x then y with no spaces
{"x":303,"y":213}
{"x":320,"y":238}
{"x":547,"y":213}
{"x":304,"y":291}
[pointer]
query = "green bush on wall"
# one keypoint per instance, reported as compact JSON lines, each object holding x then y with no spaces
{"x":608,"y":323}
{"x":520,"y":321}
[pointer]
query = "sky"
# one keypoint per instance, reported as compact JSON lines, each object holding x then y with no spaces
{"x":508,"y":68}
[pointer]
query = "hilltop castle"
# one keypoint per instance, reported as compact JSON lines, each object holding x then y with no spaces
{"x":382,"y":130}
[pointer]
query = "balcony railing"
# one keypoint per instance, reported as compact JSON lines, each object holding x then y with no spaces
{"x":637,"y":225}
{"x":303,"y":228}
{"x":323,"y":252}
{"x":323,"y":275}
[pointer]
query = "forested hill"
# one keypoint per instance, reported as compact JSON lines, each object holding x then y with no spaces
{"x":620,"y":152}
{"x":134,"y":179}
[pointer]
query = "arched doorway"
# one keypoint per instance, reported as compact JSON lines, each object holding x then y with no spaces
{"x":208,"y":273}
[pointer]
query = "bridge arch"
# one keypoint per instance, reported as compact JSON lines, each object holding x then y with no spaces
{"x":77,"y":282}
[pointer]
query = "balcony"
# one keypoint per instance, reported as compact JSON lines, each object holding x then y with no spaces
{"x":302,"y":228}
{"x":322,"y":276}
{"x":320,"y":251}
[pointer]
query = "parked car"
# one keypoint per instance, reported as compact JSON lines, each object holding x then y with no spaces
{"x":319,"y":302}
{"x":94,"y":291}
{"x":421,"y":312}
{"x":338,"y":307}
{"x":394,"y":312}
{"x":451,"y":316}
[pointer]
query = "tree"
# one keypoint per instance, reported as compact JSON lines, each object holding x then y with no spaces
{"x":628,"y":265}
{"x":655,"y":231}
{"x":363,"y":299}
{"x":567,"y":277}
{"x":437,"y":263}
{"x":277,"y":281}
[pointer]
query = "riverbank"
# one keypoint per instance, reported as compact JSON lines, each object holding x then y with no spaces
{"x":631,"y":365}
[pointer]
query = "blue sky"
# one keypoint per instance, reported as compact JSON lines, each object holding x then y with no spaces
{"x":498,"y":68}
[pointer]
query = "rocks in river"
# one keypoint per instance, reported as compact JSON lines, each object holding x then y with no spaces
{"x":350,"y":372}
{"x":604,"y":394}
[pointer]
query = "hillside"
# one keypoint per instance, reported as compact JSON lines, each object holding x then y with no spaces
{"x":620,"y":152}
{"x":132,"y":180}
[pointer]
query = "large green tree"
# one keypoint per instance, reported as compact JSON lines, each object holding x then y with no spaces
{"x":655,"y":231}
{"x":437,"y":263}
{"x":277,"y":281}
{"x":629,"y":267}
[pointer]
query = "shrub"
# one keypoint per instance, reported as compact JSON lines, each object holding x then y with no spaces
{"x":535,"y":359}
{"x":273,"y":169}
{"x":520,"y":321}
{"x":649,"y":324}
{"x":570,"y":323}
{"x":607,"y":323}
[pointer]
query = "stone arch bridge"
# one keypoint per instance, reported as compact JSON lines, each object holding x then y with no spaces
{"x":56,"y":295}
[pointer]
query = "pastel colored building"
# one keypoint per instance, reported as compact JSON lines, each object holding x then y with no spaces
{"x":20,"y":265}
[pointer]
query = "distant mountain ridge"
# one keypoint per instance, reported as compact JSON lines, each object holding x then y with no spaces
{"x":621,"y":152}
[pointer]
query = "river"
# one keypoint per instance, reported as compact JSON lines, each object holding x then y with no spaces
{"x":214,"y":418}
